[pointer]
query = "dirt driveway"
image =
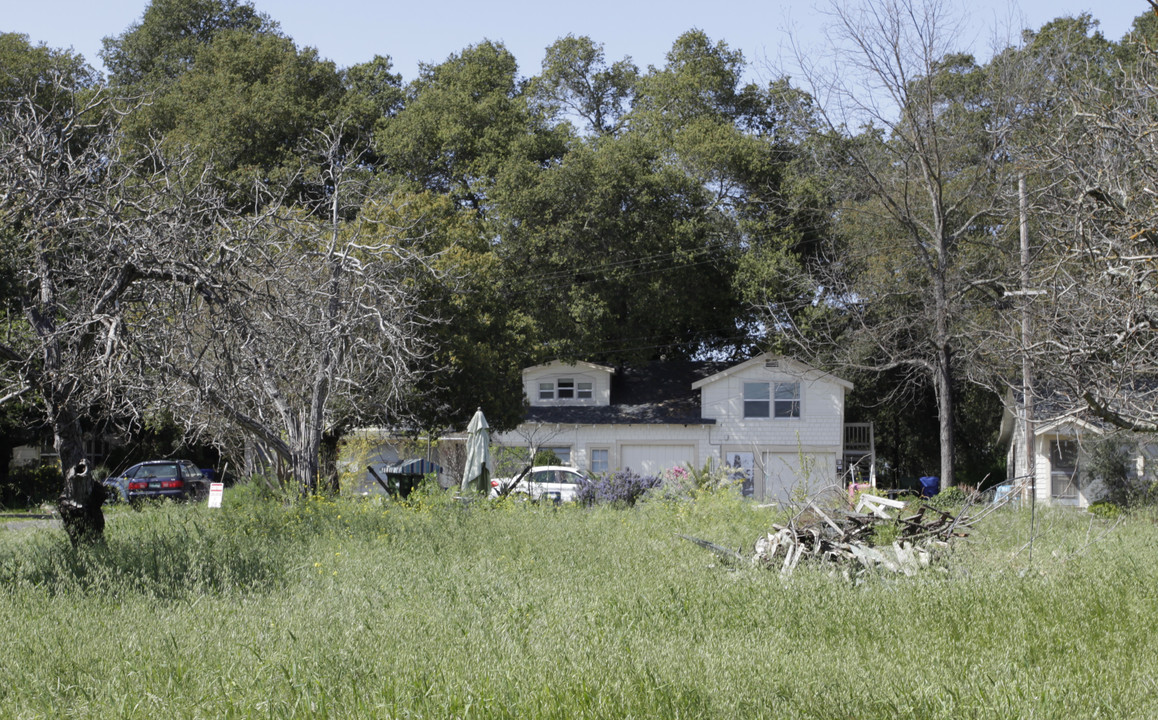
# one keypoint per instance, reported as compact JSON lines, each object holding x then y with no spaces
{"x":25,"y":521}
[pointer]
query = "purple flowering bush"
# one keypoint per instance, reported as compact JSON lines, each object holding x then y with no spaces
{"x":623,"y":487}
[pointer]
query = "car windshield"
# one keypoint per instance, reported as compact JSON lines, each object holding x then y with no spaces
{"x":167,"y":470}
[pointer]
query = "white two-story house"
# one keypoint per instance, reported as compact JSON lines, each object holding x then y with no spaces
{"x":776,"y":421}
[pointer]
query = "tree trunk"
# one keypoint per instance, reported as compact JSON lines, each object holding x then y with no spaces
{"x":304,"y":459}
{"x":943,"y":383}
{"x":944,"y":387}
{"x":80,"y":501}
{"x":329,"y":460}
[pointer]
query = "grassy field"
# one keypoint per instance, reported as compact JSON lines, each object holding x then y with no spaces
{"x":356,"y":609}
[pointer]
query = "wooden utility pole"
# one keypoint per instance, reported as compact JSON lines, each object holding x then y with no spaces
{"x":1026,"y":366}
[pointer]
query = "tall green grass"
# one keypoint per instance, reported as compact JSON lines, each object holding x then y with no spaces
{"x":437,"y":609}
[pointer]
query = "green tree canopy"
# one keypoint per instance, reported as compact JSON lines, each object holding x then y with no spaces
{"x":462,"y":121}
{"x":165,"y":43}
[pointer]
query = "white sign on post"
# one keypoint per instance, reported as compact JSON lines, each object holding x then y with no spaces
{"x":216,"y":490}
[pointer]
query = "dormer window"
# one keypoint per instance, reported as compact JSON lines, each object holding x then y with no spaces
{"x":566,"y":388}
{"x":563,"y":386}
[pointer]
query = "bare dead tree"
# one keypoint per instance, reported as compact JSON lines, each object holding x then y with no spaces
{"x":82,"y":227}
{"x":315,"y":326}
{"x":1097,"y":316}
{"x":911,"y":137}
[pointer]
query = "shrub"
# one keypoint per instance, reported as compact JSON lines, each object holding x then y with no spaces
{"x":1109,"y":461}
{"x":623,"y":487}
{"x":547,"y":456}
{"x":947,"y":498}
{"x":30,"y":486}
{"x":1105,"y":509}
{"x":684,"y":483}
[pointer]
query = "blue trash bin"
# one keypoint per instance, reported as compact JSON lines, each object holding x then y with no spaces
{"x":930,"y":486}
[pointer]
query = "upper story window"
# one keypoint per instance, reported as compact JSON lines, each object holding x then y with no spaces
{"x":786,"y":403}
{"x":756,"y":400}
{"x":780,"y":400}
{"x":566,"y":388}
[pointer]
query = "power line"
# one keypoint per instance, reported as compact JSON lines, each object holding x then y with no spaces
{"x":668,"y":257}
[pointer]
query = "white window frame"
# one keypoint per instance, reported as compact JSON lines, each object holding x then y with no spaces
{"x":563,"y":452}
{"x":760,"y":400}
{"x":753,"y":402}
{"x":546,"y":390}
{"x":591,"y":459}
{"x":584,"y":390}
{"x":786,"y":408}
{"x":565,"y":385}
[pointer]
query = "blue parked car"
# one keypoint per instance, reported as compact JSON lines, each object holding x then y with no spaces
{"x":176,"y":479}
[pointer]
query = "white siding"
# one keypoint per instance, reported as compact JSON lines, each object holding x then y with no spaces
{"x":654,"y":459}
{"x":817,"y":435}
{"x":599,"y":377}
{"x":613,"y":438}
{"x":1042,"y":476}
{"x":796,"y":477}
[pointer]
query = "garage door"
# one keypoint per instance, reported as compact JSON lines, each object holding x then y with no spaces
{"x":654,"y":459}
{"x":786,"y":479}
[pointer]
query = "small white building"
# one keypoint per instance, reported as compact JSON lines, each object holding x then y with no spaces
{"x":776,"y":419}
{"x":1062,"y":444}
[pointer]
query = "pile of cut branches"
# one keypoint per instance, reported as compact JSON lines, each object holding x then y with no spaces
{"x":853,"y":538}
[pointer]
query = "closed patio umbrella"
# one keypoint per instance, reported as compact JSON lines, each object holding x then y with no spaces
{"x":478,"y":454}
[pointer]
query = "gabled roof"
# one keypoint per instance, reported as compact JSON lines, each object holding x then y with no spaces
{"x":576,"y":363}
{"x":1052,"y":409}
{"x":658,"y":393}
{"x":786,"y":364}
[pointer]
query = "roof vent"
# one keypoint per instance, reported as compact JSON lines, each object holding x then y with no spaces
{"x":771,"y":364}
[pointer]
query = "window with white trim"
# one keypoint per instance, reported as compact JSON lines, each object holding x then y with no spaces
{"x":584,"y":390}
{"x":777,"y":400}
{"x":563,"y":453}
{"x":566,"y":388}
{"x":756,"y":400}
{"x":546,"y":391}
{"x":600,"y":460}
{"x":786,"y":400}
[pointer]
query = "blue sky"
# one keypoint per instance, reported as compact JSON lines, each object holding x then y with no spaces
{"x":353,"y":31}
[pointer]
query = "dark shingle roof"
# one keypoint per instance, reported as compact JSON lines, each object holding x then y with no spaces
{"x":658,"y":393}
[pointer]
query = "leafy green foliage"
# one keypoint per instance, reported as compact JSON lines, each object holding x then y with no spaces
{"x":1109,"y":460}
{"x":170,"y":35}
{"x":616,"y":255}
{"x":29,"y":70}
{"x":547,"y":456}
{"x":463,"y":120}
{"x":948,"y":499}
{"x":245,"y":106}
{"x":577,"y":81}
{"x":26,"y":487}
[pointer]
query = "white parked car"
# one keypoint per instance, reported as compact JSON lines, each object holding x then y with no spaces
{"x":542,"y":482}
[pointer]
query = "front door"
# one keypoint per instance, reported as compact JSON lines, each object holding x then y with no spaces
{"x":1063,"y":466}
